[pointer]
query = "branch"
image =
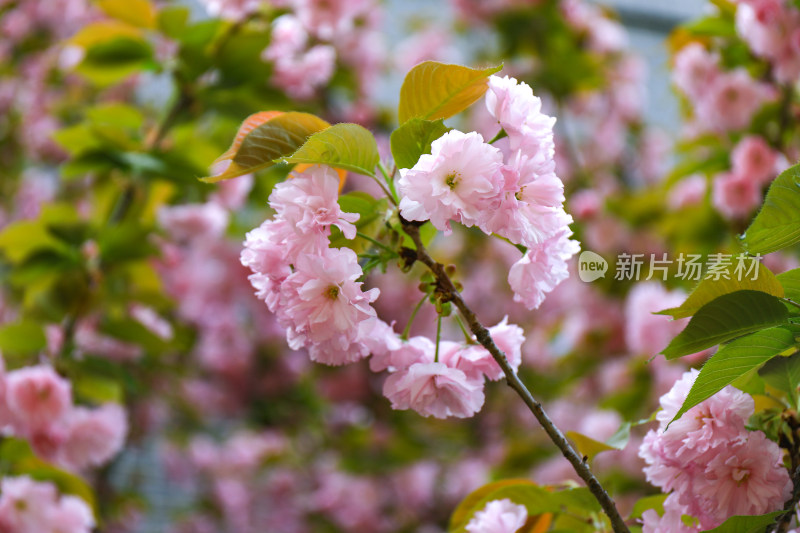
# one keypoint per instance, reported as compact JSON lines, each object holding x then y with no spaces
{"x":445,"y":284}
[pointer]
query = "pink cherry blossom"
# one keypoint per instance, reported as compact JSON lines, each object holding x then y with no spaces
{"x":695,"y":70}
{"x":194,"y":221}
{"x":455,"y":181}
{"x":519,"y":113}
{"x":730,"y":102}
{"x":323,"y":305}
{"x":38,"y":396}
{"x":645,"y":332}
{"x":434,"y":389}
{"x":499,"y":516}
{"x":541,"y":269}
{"x":745,"y":478}
{"x":689,"y":191}
{"x":735,"y":195}
{"x":308,"y":201}
{"x":94,"y":435}
{"x":752,"y":157}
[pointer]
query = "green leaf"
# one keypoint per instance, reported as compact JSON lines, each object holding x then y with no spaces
{"x":348,"y":146}
{"x":649,"y":502}
{"x":413,"y":139}
{"x":712,"y":26}
{"x":746,"y":524}
{"x":729,"y":316}
{"x":172,"y":20}
{"x":733,"y":361}
{"x":783,"y":373}
{"x":266,"y":137}
{"x":139,"y":13}
{"x":537,"y":500}
{"x":791,"y":284}
{"x":433,"y":90}
{"x":97,"y":389}
{"x":777,"y":225}
{"x":710,"y":289}
{"x":22,"y":338}
{"x":587,"y":446}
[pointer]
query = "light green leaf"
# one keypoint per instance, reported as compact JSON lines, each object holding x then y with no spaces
{"x":264,"y":138}
{"x":777,"y":225}
{"x":348,"y":146}
{"x":746,"y":524}
{"x":139,"y":13}
{"x":710,"y":289}
{"x":733,"y":361}
{"x":791,"y":284}
{"x":783,"y":373}
{"x":649,"y":502}
{"x":413,"y":139}
{"x":727,"y":317}
{"x":433,"y":90}
{"x":22,"y":338}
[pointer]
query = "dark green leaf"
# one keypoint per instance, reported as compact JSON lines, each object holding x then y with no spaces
{"x":783,"y":373}
{"x":777,"y":225}
{"x":746,"y":524}
{"x":727,"y":317}
{"x":734,"y":360}
{"x":709,"y":289}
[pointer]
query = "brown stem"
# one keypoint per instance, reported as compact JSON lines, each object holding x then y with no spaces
{"x":448,"y":290}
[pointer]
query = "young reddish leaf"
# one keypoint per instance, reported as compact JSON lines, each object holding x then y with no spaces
{"x":263,"y":138}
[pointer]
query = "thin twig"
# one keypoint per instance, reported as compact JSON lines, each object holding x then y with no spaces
{"x":482,"y":334}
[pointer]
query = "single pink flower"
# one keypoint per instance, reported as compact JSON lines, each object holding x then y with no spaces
{"x":499,"y":516}
{"x":541,"y":269}
{"x":735,"y":195}
{"x":434,"y":389}
{"x":456,"y":181}
{"x":37,"y":396}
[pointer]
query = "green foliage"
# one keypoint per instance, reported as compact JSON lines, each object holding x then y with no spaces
{"x":347,"y":146}
{"x":433,"y":90}
{"x":746,"y":524}
{"x":790,"y":281}
{"x":537,"y":500}
{"x":20,"y":339}
{"x":414,"y":138}
{"x":734,"y":360}
{"x":777,"y":225}
{"x":783,"y":373}
{"x":709,"y":289}
{"x":727,"y":317}
{"x":589,"y":447}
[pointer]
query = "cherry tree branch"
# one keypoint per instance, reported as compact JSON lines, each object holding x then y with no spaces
{"x":450,"y":293}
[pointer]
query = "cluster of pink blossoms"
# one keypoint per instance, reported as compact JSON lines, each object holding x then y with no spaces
{"x":36,"y":404}
{"x":311,"y":287}
{"x":722,"y":100}
{"x":713,"y":467}
{"x":737,"y":193}
{"x":28,"y":506}
{"x":313,"y":290}
{"x":508,"y":188}
{"x":772,"y":30}
{"x":346,"y":31}
{"x":449,"y":386}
